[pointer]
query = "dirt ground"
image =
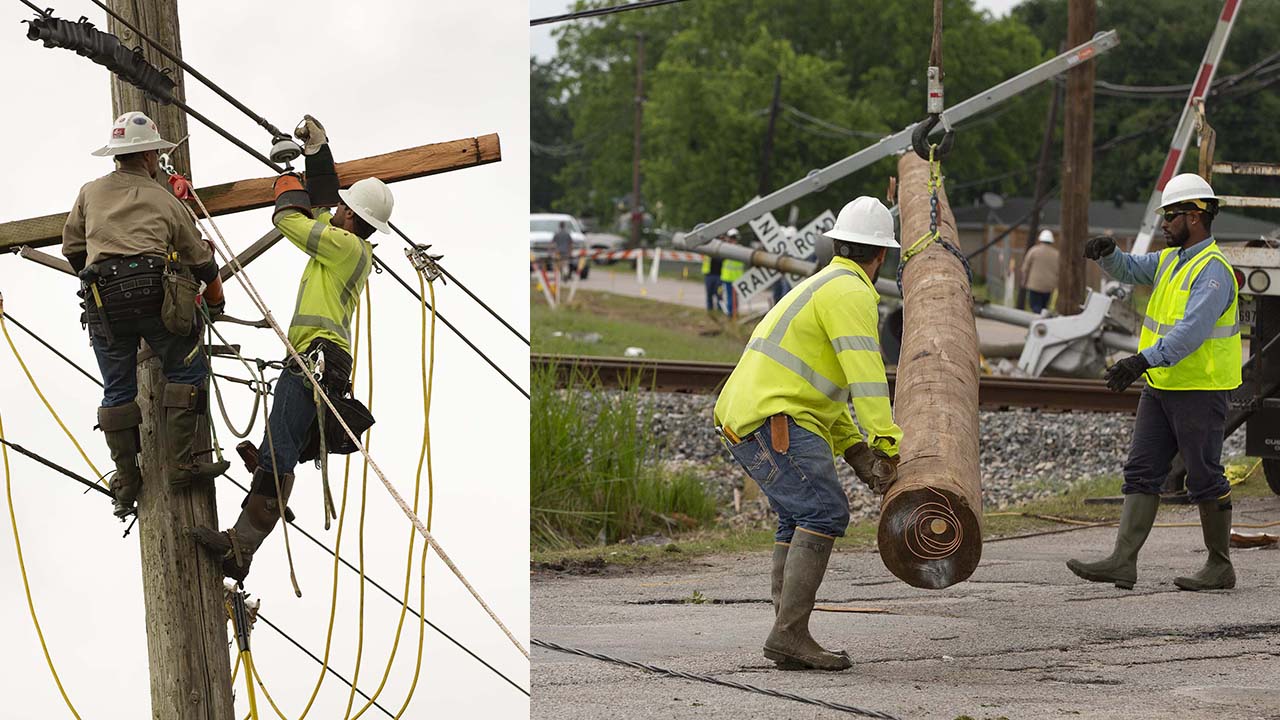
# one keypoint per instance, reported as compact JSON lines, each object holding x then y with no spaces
{"x":1022,"y":638}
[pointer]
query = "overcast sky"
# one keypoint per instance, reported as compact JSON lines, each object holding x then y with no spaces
{"x":381,"y":76}
{"x":543,"y":46}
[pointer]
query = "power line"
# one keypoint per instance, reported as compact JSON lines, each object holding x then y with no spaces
{"x":312,"y":655}
{"x":54,"y":466}
{"x":598,"y":12}
{"x":9,"y":316}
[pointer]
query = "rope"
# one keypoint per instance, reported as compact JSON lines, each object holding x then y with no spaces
{"x":256,"y":384}
{"x":22,"y":568}
{"x":597,"y":12}
{"x":242,"y":277}
{"x":935,"y":46}
{"x":715,"y":681}
{"x":424,"y":453}
{"x":18,"y":356}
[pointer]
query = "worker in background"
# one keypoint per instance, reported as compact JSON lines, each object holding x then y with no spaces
{"x":711,"y":280}
{"x":730,"y":271}
{"x":123,"y":234}
{"x":1040,"y":271}
{"x":1190,"y":352}
{"x":339,"y":260}
{"x":784,"y":415}
{"x":562,"y":242}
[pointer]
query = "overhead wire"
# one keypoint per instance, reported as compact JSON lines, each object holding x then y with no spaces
{"x":598,"y":12}
{"x":52,"y":349}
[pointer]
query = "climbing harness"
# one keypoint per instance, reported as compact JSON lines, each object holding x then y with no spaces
{"x":715,"y":681}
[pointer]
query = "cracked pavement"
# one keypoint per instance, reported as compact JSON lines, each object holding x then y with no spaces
{"x":1022,"y":638}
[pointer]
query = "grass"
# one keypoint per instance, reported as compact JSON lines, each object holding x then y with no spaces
{"x":861,"y":536}
{"x":595,"y":476}
{"x":664,"y":330}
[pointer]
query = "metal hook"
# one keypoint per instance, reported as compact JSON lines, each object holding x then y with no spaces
{"x":166,"y":164}
{"x":920,"y":139}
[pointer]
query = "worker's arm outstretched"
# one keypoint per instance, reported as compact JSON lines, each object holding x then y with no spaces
{"x":1127,"y":268}
{"x":1212,"y":293}
{"x":851,"y":325}
{"x":314,"y":236}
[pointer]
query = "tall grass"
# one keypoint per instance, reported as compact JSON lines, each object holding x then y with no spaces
{"x":596,"y":476}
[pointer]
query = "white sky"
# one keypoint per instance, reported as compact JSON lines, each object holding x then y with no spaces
{"x":543,"y":46}
{"x":390,"y":75}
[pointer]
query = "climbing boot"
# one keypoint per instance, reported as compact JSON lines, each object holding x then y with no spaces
{"x":259,"y":514}
{"x":1121,"y":566}
{"x":183,"y":411}
{"x":775,"y":577}
{"x":789,"y":643}
{"x":120,"y":428}
{"x":1215,"y":525}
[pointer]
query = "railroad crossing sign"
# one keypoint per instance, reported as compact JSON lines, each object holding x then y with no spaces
{"x":776,"y":239}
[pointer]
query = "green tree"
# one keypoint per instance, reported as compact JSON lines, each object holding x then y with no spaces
{"x":550,"y":134}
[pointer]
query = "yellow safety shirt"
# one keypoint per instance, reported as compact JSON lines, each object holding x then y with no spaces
{"x":731,"y":270}
{"x":813,"y":353}
{"x":1215,"y":365}
{"x":331,"y":282}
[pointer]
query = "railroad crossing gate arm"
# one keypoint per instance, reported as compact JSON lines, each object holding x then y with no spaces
{"x":819,"y":179}
{"x":1066,"y":342}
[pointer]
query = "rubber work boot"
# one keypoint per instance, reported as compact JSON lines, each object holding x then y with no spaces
{"x":1215,"y":525}
{"x":183,"y":413}
{"x":120,"y":429}
{"x":1121,"y":566}
{"x":258,"y":517}
{"x":775,"y":577}
{"x":789,"y":643}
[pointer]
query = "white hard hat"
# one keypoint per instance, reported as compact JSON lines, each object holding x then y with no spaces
{"x":1046,"y":236}
{"x":133,"y":132}
{"x":865,"y":221}
{"x":371,"y":199}
{"x":733,"y":232}
{"x":1185,"y":188}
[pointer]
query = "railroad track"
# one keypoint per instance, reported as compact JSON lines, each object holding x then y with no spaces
{"x":685,"y":376}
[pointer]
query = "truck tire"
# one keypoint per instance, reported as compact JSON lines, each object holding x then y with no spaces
{"x":1271,"y":469}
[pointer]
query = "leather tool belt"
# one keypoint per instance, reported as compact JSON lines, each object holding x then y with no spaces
{"x":128,"y":288}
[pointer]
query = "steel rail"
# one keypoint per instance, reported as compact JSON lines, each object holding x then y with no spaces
{"x":684,"y":376}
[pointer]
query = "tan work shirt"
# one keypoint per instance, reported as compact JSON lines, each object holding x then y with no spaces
{"x":1040,"y":268}
{"x":128,"y":213}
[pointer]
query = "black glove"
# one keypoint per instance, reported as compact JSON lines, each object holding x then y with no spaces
{"x":215,"y":310}
{"x":1099,"y":247}
{"x":1124,"y":373}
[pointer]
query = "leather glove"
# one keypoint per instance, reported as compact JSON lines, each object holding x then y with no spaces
{"x":312,"y":135}
{"x":1099,"y":247}
{"x":215,"y":310}
{"x":1124,"y":373}
{"x":874,"y":467}
{"x":290,"y":195}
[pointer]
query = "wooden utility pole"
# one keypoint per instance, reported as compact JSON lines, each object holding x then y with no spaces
{"x":766,"y":161}
{"x":1077,"y":161}
{"x":182,"y":587}
{"x":637,"y":217}
{"x":930,"y":532}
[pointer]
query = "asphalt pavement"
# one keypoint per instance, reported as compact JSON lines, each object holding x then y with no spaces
{"x":1022,"y":638}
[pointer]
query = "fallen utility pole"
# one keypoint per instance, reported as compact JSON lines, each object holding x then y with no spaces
{"x":1077,"y":163}
{"x":255,"y":193}
{"x":181,"y":586}
{"x":930,"y":532}
{"x":896,"y":143}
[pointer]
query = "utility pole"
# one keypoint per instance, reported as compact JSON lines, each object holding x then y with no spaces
{"x":766,"y":163}
{"x":1077,"y":161}
{"x":182,"y":588}
{"x":637,"y":217}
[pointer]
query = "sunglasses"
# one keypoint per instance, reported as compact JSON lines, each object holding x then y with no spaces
{"x":1171,"y":215}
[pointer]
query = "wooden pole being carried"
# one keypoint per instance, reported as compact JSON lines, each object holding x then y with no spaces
{"x":930,"y":531}
{"x":181,"y":586}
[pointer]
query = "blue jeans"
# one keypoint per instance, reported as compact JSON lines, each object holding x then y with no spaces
{"x":1038,"y":300}
{"x":801,"y":483}
{"x":118,"y":359}
{"x":1169,"y":421}
{"x":292,"y":413}
{"x":730,"y":304}
{"x":712,"y":284}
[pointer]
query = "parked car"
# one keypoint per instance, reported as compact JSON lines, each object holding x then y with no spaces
{"x":543,"y":227}
{"x":606,"y":242}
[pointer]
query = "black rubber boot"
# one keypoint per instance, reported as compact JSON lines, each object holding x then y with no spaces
{"x":1121,"y":566}
{"x":775,"y":577}
{"x":1217,"y":573}
{"x":183,"y":412}
{"x":120,"y":429}
{"x":258,"y":517}
{"x":789,"y":643}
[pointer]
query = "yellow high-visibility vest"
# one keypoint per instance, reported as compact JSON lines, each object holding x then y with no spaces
{"x":813,"y":353}
{"x":706,"y":264}
{"x":1215,"y":365}
{"x":332,"y":281}
{"x":731,"y":270}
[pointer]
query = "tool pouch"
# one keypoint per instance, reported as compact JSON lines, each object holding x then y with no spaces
{"x":336,"y":383}
{"x":178,"y":311}
{"x":779,"y":433}
{"x":130,"y":288}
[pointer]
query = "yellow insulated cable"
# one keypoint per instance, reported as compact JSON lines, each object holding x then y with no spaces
{"x":364,"y":496}
{"x":17,"y":356}
{"x":424,"y":453}
{"x":22,"y":567}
